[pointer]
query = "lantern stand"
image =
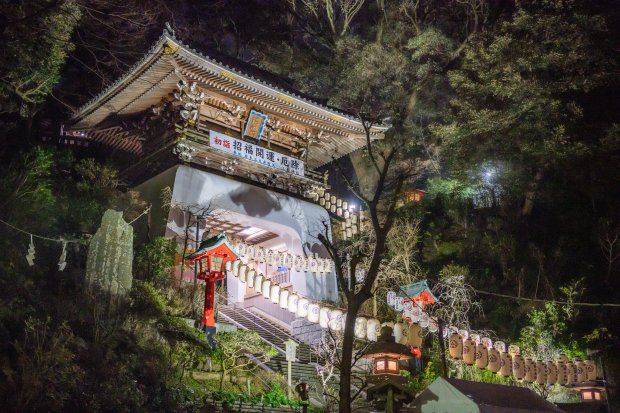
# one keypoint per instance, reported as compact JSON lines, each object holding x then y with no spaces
{"x":212,"y":257}
{"x":389,"y":390}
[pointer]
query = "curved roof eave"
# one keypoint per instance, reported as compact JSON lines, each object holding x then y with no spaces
{"x":221,"y":69}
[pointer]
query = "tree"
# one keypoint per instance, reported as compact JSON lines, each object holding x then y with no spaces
{"x":240,"y":350}
{"x":519,"y":90}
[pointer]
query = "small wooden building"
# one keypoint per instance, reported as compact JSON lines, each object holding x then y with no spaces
{"x":462,"y":396}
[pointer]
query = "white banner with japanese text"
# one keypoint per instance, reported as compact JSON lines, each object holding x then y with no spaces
{"x":255,"y":153}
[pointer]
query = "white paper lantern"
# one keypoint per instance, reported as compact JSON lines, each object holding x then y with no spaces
{"x":275,"y":294}
{"x":372,"y":329}
{"x":469,"y":351}
{"x":582,"y":372}
{"x":417,"y":315}
{"x":293,"y":300}
{"x":494,"y":360}
{"x":415,"y":335}
{"x":360,"y":327}
{"x":505,"y":364}
{"x":398,"y":332}
{"x":242,"y":249}
{"x":266,"y":288}
{"x":235,"y":267}
{"x":288,"y":261}
{"x":456,"y":346}
{"x":500,"y":346}
{"x":313,"y":312}
{"x":313,"y":265}
{"x":432,"y":326}
{"x":518,"y":367}
{"x":530,"y":370}
{"x":251,"y":277}
{"x":302,"y":307}
{"x":482,"y":356}
{"x":243,"y":271}
{"x":258,"y":283}
{"x":475,"y":338}
{"x":324,"y":317}
{"x":591,"y":370}
{"x":552,"y":372}
{"x":261,"y":254}
{"x":284,"y":298}
{"x":399,"y":303}
{"x":571,"y":373}
{"x":487,"y":342}
{"x":335,"y":320}
{"x":228,"y":265}
{"x":541,"y":372}
{"x":251,"y":252}
{"x":562,"y":372}
{"x":297,"y":263}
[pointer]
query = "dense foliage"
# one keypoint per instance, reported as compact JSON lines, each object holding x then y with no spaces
{"x":509,"y":110}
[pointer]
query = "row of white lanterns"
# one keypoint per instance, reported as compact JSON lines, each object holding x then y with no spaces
{"x":282,"y":259}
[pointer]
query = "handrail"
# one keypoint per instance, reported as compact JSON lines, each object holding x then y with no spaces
{"x":262,"y":338}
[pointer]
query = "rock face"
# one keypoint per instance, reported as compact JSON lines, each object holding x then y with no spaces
{"x":110,"y":255}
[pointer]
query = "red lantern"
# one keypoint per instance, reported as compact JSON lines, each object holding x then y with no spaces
{"x":212,"y":257}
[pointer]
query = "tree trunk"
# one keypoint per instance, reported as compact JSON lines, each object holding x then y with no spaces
{"x":348,"y":340}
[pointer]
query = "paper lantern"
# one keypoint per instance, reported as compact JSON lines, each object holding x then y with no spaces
{"x":541,"y":372}
{"x":235,"y":268}
{"x":313,"y":312}
{"x":487,"y":342}
{"x":482,"y":356}
{"x":281,"y":259}
{"x":469,"y":351}
{"x":251,"y":252}
{"x":582,"y":372}
{"x":288,"y":261}
{"x":266,"y":288}
{"x":464,"y":334}
{"x":335,"y":320}
{"x":313,"y":265}
{"x":493,"y":364}
{"x":432,"y":326}
{"x":360,"y":327}
{"x":571,"y":373}
{"x":372,"y":329}
{"x":530,"y":370}
{"x":500,"y":346}
{"x":284,"y":298}
{"x":415,"y":335}
{"x":505,"y":364}
{"x":258,"y":283}
{"x":275,"y":294}
{"x":324,"y":317}
{"x":243,"y":273}
{"x":293,"y":300}
{"x":414,"y":312}
{"x":405,"y":330}
{"x":261,"y":254}
{"x":398,"y":332}
{"x":298,"y":263}
{"x":518,"y":367}
{"x":456,"y":346}
{"x":562,"y":372}
{"x":399,"y":303}
{"x":228,"y":265}
{"x":250,"y":278}
{"x":242,"y":249}
{"x":590,"y":370}
{"x":475,"y":338}
{"x":302,"y":307}
{"x":552,"y":372}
